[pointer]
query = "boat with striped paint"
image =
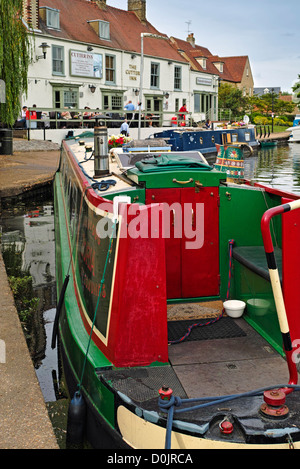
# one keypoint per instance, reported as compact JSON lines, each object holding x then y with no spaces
{"x":147,"y":242}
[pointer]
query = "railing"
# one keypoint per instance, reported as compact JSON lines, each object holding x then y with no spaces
{"x":276,"y":285}
{"x":52,"y":118}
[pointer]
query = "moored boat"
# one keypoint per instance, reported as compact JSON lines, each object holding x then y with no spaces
{"x":149,"y":245}
{"x":295,"y":134}
{"x":268,"y":143}
{"x":205,"y":140}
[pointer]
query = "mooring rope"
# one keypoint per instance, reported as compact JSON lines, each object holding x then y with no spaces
{"x":98,"y":301}
{"x":200,"y":324}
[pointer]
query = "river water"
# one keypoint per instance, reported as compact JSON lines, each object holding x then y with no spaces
{"x":30,"y":226}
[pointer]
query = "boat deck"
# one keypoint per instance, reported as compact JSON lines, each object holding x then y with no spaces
{"x":229,"y":365}
{"x":212,"y":367}
{"x":219,"y":366}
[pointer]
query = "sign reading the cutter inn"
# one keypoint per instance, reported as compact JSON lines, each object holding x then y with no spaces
{"x":85,"y":64}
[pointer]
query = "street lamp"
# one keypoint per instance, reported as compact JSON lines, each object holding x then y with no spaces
{"x":156,"y":36}
{"x":272,"y":110}
{"x":44,"y":46}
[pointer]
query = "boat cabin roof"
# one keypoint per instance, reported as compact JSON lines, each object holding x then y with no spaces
{"x":141,"y":166}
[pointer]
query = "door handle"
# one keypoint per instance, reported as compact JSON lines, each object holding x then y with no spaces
{"x":183,"y":182}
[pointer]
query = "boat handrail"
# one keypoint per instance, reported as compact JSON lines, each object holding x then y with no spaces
{"x":276,"y":285}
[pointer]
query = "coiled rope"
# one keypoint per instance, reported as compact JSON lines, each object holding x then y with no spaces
{"x":168,"y":406}
{"x":212,"y":321}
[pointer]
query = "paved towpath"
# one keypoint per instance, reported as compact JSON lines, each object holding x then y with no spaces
{"x":33,"y":163}
{"x":24,"y":420}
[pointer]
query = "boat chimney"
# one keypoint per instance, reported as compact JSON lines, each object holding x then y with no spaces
{"x":101,"y":164}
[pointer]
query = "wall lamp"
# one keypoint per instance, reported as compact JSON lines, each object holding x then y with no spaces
{"x":136,"y":91}
{"x":92,"y":88}
{"x":44,"y":46}
{"x":166,"y":95}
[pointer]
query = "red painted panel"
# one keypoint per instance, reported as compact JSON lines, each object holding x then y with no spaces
{"x":291,"y":268}
{"x":200,"y":254}
{"x":138,"y":333}
{"x":192,"y":249}
{"x":170,"y":197}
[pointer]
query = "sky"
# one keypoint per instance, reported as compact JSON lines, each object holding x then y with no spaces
{"x":267,"y":31}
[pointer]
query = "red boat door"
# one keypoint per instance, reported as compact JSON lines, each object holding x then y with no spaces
{"x":192,"y":254}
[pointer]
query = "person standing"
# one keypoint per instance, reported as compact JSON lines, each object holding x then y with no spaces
{"x":31,"y":117}
{"x":124,"y":130}
{"x":129,"y":107}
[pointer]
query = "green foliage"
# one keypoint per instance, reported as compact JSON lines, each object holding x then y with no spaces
{"x":14,"y":58}
{"x":231,"y":98}
{"x":269,"y":102}
{"x":296,"y":88}
{"x":22,"y":290}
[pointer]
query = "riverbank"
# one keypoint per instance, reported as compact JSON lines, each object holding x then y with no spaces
{"x":32,"y":164}
{"x":24,"y":420}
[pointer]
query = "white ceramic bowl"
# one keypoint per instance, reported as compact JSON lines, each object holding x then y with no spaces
{"x":234,"y":308}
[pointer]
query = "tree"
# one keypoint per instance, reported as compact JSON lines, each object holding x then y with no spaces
{"x":14,"y":58}
{"x":296,"y":88}
{"x":270,"y":102}
{"x":231,"y":98}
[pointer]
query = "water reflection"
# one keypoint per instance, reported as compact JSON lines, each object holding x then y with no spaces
{"x":29,"y":228}
{"x":276,"y":167}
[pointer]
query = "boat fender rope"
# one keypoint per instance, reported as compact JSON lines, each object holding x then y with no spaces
{"x":213,"y":321}
{"x":104,"y":185}
{"x":168,"y":406}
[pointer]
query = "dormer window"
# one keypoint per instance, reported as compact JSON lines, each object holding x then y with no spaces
{"x":202,"y":61}
{"x":219,"y":66}
{"x":51,"y":17}
{"x":102,"y":28}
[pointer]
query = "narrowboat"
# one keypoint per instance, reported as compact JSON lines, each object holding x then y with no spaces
{"x":205,"y":140}
{"x":178,"y":312}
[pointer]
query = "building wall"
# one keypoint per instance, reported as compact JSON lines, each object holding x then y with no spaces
{"x":42,"y":82}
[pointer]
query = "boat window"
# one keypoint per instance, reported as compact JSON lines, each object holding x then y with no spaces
{"x":234,"y":138}
{"x":247,"y":136}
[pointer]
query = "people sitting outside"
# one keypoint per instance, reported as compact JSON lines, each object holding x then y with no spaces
{"x":207,"y":124}
{"x":31,"y":117}
{"x":124,"y":130}
{"x":129,"y":107}
{"x":22,"y":121}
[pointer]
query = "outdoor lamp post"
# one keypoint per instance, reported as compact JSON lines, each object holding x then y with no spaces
{"x":44,"y":46}
{"x":156,"y":36}
{"x":272,"y":110}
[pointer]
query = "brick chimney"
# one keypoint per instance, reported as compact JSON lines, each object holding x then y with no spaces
{"x":101,"y":4}
{"x":139,"y":8}
{"x":30,"y":12}
{"x":191,"y":39}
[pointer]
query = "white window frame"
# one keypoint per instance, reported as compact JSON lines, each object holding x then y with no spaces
{"x":52,"y":18}
{"x":62,"y":60}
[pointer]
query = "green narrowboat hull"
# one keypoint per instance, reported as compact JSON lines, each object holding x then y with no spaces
{"x":113,"y":324}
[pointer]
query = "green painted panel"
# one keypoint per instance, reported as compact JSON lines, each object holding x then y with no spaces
{"x":165,"y":179}
{"x":241,"y":211}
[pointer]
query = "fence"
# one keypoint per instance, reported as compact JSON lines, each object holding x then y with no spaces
{"x":87,"y":118}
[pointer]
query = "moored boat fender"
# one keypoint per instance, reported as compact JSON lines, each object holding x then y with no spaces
{"x":76,"y":420}
{"x":58,"y":309}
